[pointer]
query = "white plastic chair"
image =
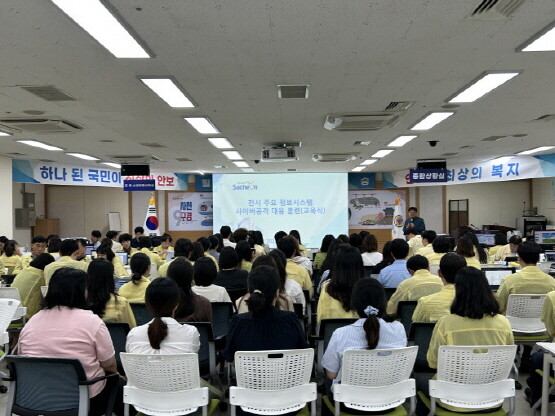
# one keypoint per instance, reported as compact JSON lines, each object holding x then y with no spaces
{"x":474,"y":377}
{"x":524,"y":311}
{"x":13,"y":293}
{"x":163,"y":385}
{"x":8,"y":309}
{"x":273,"y":382}
{"x":376,"y":380}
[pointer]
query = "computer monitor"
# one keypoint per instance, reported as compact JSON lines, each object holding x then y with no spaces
{"x":486,"y":239}
{"x":120,"y":281}
{"x":89,"y":250}
{"x":546,"y":237}
{"x":549,"y":256}
{"x":496,"y":274}
{"x":123,"y":257}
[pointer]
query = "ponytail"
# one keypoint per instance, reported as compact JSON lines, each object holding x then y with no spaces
{"x":157,"y":332}
{"x":368,"y":299}
{"x":257,"y":302}
{"x":263,"y":286}
{"x":372,"y":331}
{"x":139,"y":263}
{"x":161,"y":299}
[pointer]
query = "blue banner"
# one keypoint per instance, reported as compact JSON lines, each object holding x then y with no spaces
{"x":365,"y":180}
{"x":428,"y":175}
{"x":139,"y":185}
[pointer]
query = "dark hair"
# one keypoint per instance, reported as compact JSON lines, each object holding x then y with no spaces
{"x":4,"y":239}
{"x":205,"y":243}
{"x":258,"y":237}
{"x":166,"y":237}
{"x":413,"y":209}
{"x":225,"y":231}
{"x":205,"y":271}
{"x":96,"y":234}
{"x":263,"y":286}
{"x":67,"y":288}
{"x":42,"y":261}
{"x":145,"y":242}
{"x":81,"y":241}
{"x":139,"y":230}
{"x":220,"y":241}
{"x":106,"y":242}
{"x":344,"y":238}
{"x":386,"y":251}
{"x":68,"y":247}
{"x":363,"y":234}
{"x":295,"y":233}
{"x":410,"y":231}
{"x":369,"y":244}
{"x":50,"y":237}
{"x":500,"y":239}
{"x":441,"y":244}
{"x":515,"y":240}
{"x":450,"y":264}
{"x":417,"y":262}
{"x":369,"y":292}
{"x":197,"y":251}
{"x":268,"y":260}
{"x":243,"y":250}
{"x":125,"y":237}
{"x":228,"y":258}
{"x":240,"y":234}
{"x":183,"y":247}
{"x":139,"y":264}
{"x":38,"y":239}
{"x":288,"y":245}
{"x":332,"y":249}
{"x":213,"y":242}
{"x":54,"y":245}
{"x":9,"y":248}
{"x":347,"y":269}
{"x":429,"y":235}
{"x":181,"y":272}
{"x":111,"y":234}
{"x":106,"y":250}
{"x":399,"y":249}
{"x":281,"y":263}
{"x":100,"y":285}
{"x":161,"y":298}
{"x":473,"y":296}
{"x":326,"y":241}
{"x":279,"y":235}
{"x":482,"y":254}
{"x":529,"y":252}
{"x":355,"y":240}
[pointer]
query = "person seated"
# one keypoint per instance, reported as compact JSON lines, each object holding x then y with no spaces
{"x":475,"y":319}
{"x":3,"y":241}
{"x":53,"y":246}
{"x":414,"y":240}
{"x":183,"y":249}
{"x":134,"y":291}
{"x":69,"y":250}
{"x":105,"y":252}
{"x":440,"y":246}
{"x":145,"y":247}
{"x":500,"y":241}
{"x":466,"y":249}
{"x":65,"y":328}
{"x":164,"y":247}
{"x":387,"y":259}
{"x":101,"y":294}
{"x":240,"y":234}
{"x":204,"y":275}
{"x":245,"y":254}
{"x":335,"y":296}
{"x":370,"y":254}
{"x":138,"y":232}
{"x":213,"y":248}
{"x":38,"y":246}
{"x":197,"y":252}
{"x":300,"y":259}
{"x":229,"y":276}
{"x":288,"y":246}
{"x":509,"y":250}
{"x":328,"y":262}
{"x":287,"y":286}
{"x":432,"y":307}
{"x":82,"y":251}
{"x":29,"y":281}
{"x":225,"y":231}
{"x":96,"y":236}
{"x":205,"y":241}
{"x":11,"y":255}
{"x":125,"y":241}
{"x":279,"y":235}
{"x":163,"y":335}
{"x":529,"y":280}
{"x":303,"y":251}
{"x":113,"y":235}
{"x":191,"y":307}
{"x":428,"y":237}
{"x":258,"y":240}
{"x":321,"y":255}
{"x":394,"y":274}
{"x":481,"y":253}
{"x":422,"y":283}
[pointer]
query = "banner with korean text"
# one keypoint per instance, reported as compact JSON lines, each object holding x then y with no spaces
{"x":190,"y":211}
{"x":375,"y":208}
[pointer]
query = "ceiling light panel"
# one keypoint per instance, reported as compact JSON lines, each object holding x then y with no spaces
{"x":401,"y":141}
{"x":102,"y":25}
{"x":536,"y":150}
{"x":543,"y":42}
{"x":40,"y":145}
{"x":3,"y":133}
{"x":486,"y":83}
{"x":241,"y":164}
{"x":248,"y":170}
{"x":359,"y":169}
{"x":202,"y":124}
{"x":431,"y":120}
{"x":233,"y":155}
{"x":82,"y":156}
{"x":369,"y":162}
{"x":220,"y":143}
{"x":382,"y":153}
{"x":167,"y":90}
{"x":112,"y":165}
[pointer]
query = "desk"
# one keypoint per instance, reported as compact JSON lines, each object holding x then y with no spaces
{"x":548,"y":359}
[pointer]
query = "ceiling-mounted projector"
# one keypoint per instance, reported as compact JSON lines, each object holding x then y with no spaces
{"x":278,"y":154}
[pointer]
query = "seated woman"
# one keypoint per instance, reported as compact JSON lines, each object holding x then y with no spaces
{"x":245,"y":254}
{"x":105,"y":252}
{"x":303,"y":251}
{"x":466,"y":249}
{"x":370,"y":254}
{"x":183,"y":248}
{"x":53,"y":246}
{"x":65,"y":328}
{"x":370,"y":331}
{"x":335,"y":296}
{"x":229,"y":276}
{"x":500,"y":241}
{"x":509,"y":250}
{"x":134,"y":291}
{"x":441,"y":246}
{"x":328,"y":262}
{"x":204,"y":275}
{"x":321,"y":255}
{"x":101,"y":294}
{"x":288,"y":286}
{"x":29,"y":280}
{"x":387,"y":259}
{"x":191,"y":307}
{"x":163,"y":335}
{"x":10,"y":256}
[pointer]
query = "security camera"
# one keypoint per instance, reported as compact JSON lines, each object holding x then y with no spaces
{"x":257,"y":161}
{"x":433,"y":143}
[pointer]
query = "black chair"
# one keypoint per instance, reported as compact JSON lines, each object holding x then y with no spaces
{"x":8,"y":278}
{"x":389,"y":291}
{"x":207,"y":351}
{"x":142,"y":315}
{"x":420,"y":334}
{"x":118,"y":333}
{"x":235,"y":294}
{"x":221,"y":315}
{"x":405,"y":309}
{"x":52,"y":387}
{"x":368,"y":270}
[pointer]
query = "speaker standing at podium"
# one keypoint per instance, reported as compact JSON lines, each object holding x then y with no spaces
{"x":414,"y":222}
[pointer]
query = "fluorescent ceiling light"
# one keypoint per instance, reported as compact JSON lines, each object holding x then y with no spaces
{"x":220,"y":143}
{"x":241,"y":164}
{"x":3,"y":133}
{"x":95,"y":19}
{"x":167,"y":90}
{"x":382,"y":153}
{"x":431,"y":120}
{"x":112,"y":165}
{"x":543,"y":43}
{"x":202,"y":124}
{"x":536,"y":150}
{"x":249,"y":170}
{"x":233,"y":155}
{"x":486,"y":83}
{"x":44,"y":146}
{"x":82,"y":156}
{"x":369,"y":162}
{"x":359,"y":168}
{"x":401,"y":141}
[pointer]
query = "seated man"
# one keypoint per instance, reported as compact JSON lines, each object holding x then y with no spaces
{"x":38,"y":246}
{"x":428,"y":237}
{"x":421,"y":283}
{"x":509,"y":250}
{"x":165,"y":246}
{"x":69,"y":251}
{"x":114,"y":235}
{"x":225,"y":231}
{"x":139,"y":232}
{"x":529,"y":280}
{"x":288,"y":245}
{"x":414,"y":240}
{"x":432,"y":307}
{"x":145,"y":244}
{"x":96,"y":236}
{"x":441,"y":247}
{"x":395,"y":273}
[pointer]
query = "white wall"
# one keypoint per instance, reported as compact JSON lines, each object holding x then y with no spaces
{"x":8,"y":214}
{"x":430,"y":207}
{"x":544,"y":197}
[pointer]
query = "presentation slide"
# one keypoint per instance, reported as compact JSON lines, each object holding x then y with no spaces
{"x":315,"y":204}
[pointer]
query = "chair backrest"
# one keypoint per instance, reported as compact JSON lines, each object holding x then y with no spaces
{"x":8,"y":308}
{"x":327,"y":326}
{"x":372,"y":368}
{"x":421,"y":334}
{"x":273,"y":370}
{"x":235,"y":294}
{"x":368,"y":270}
{"x":475,"y":364}
{"x":8,"y":278}
{"x":221,"y":315}
{"x":9,"y":293}
{"x":118,"y":333}
{"x":206,"y":337}
{"x":299,"y":310}
{"x":405,"y":309}
{"x":142,"y":315}
{"x":525,"y":306}
{"x":389,"y":291}
{"x":161,"y":373}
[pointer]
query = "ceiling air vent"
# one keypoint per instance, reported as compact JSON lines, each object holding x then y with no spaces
{"x":399,"y":105}
{"x":362,"y":143}
{"x":360,"y":121}
{"x":492,"y":138}
{"x":496,"y":9}
{"x":184,"y":159}
{"x":135,"y":159}
{"x":546,"y":117}
{"x":15,"y":154}
{"x":40,"y":125}
{"x":449,"y":154}
{"x":154,"y":145}
{"x":293,"y":91}
{"x":49,"y":93}
{"x":291,"y":170}
{"x":334,"y":157}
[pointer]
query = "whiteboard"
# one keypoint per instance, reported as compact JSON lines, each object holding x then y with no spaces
{"x":114,"y":221}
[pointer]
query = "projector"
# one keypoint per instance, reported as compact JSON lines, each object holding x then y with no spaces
{"x":278,"y":154}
